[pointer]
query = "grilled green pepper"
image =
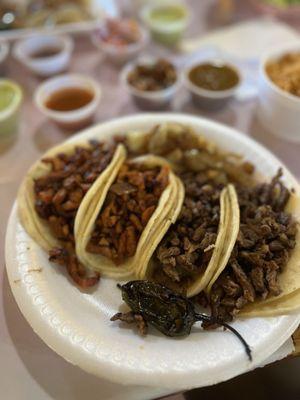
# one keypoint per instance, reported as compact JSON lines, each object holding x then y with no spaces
{"x":168,"y":312}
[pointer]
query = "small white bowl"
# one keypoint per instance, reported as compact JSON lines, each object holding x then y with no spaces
{"x":74,"y":119}
{"x":210,"y":100}
{"x":156,"y":100}
{"x":44,"y":66}
{"x":167,"y":33}
{"x":10,"y":114}
{"x":121,"y":54}
{"x":278,"y":111}
{"x":4,"y":50}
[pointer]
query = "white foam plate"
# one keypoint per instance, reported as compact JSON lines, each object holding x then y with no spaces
{"x":76,"y":324}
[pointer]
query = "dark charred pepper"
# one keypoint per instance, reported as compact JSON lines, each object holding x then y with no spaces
{"x":168,"y":312}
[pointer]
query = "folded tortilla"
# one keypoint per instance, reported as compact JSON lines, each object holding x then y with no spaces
{"x":227,"y":234}
{"x":37,"y":227}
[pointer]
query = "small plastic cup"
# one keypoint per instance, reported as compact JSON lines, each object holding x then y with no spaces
{"x":74,"y":119}
{"x":209,"y":100}
{"x":24,"y":51}
{"x":155,"y":100}
{"x":120,"y":55}
{"x":167,"y":32}
{"x":10,"y":101}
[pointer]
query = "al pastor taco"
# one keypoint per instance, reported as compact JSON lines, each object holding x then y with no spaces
{"x":132,"y":213}
{"x":52,"y":199}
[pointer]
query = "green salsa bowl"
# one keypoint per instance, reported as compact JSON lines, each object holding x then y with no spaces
{"x":166,"y":22}
{"x":10,"y":101}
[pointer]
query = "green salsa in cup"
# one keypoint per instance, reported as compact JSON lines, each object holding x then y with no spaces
{"x":10,"y":101}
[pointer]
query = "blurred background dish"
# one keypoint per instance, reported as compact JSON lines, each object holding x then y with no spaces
{"x":152,"y":83}
{"x":166,"y":21}
{"x":22,"y":18}
{"x":69,"y":100}
{"x":212,"y":83}
{"x":284,"y":72}
{"x":10,"y":102}
{"x":4,"y":50}
{"x":120,"y":39}
{"x":38,"y":13}
{"x":44,"y":55}
{"x":279,"y":110}
{"x":288,"y":9}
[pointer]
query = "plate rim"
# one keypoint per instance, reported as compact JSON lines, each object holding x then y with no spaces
{"x":107,"y":368}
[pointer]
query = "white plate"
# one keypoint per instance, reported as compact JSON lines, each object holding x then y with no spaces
{"x":98,"y":8}
{"x":76,"y":324}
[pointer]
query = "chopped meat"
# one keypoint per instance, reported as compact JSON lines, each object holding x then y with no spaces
{"x":152,"y":77}
{"x":58,"y":196}
{"x":132,"y":318}
{"x":267,"y":235}
{"x":129,"y":204}
{"x":187,"y":247}
{"x":75,"y":269}
{"x":244,"y":282}
{"x":272,"y":270}
{"x":230,"y":287}
{"x":257,"y":278}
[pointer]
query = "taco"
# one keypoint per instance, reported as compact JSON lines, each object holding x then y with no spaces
{"x":187,"y":257}
{"x":262,"y":276}
{"x":132,"y":213}
{"x":53,"y":196}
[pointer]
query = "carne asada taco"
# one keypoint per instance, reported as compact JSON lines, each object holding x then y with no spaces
{"x":288,"y":298}
{"x":131,"y":215}
{"x":262,"y":276}
{"x":198,"y":243}
{"x":52,"y":198}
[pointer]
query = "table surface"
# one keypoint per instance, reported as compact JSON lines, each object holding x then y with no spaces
{"x":40,"y":373}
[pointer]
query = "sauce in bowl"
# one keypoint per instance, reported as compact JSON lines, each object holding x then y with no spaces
{"x":167,"y":22}
{"x":45,"y":52}
{"x":10,"y":102}
{"x":69,"y":99}
{"x":167,"y":14}
{"x":7,"y":95}
{"x":149,"y":77}
{"x":214,"y":77}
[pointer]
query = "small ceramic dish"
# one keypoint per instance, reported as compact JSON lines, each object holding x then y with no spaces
{"x":45,"y":55}
{"x":210,"y":100}
{"x":149,"y":100}
{"x":278,"y":110}
{"x":4,"y":50}
{"x":10,"y":102}
{"x":121,"y":53}
{"x":166,"y":21}
{"x":65,"y":115}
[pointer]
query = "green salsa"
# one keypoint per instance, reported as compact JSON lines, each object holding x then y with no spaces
{"x":213,"y":76}
{"x":7,"y":95}
{"x":167,"y":14}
